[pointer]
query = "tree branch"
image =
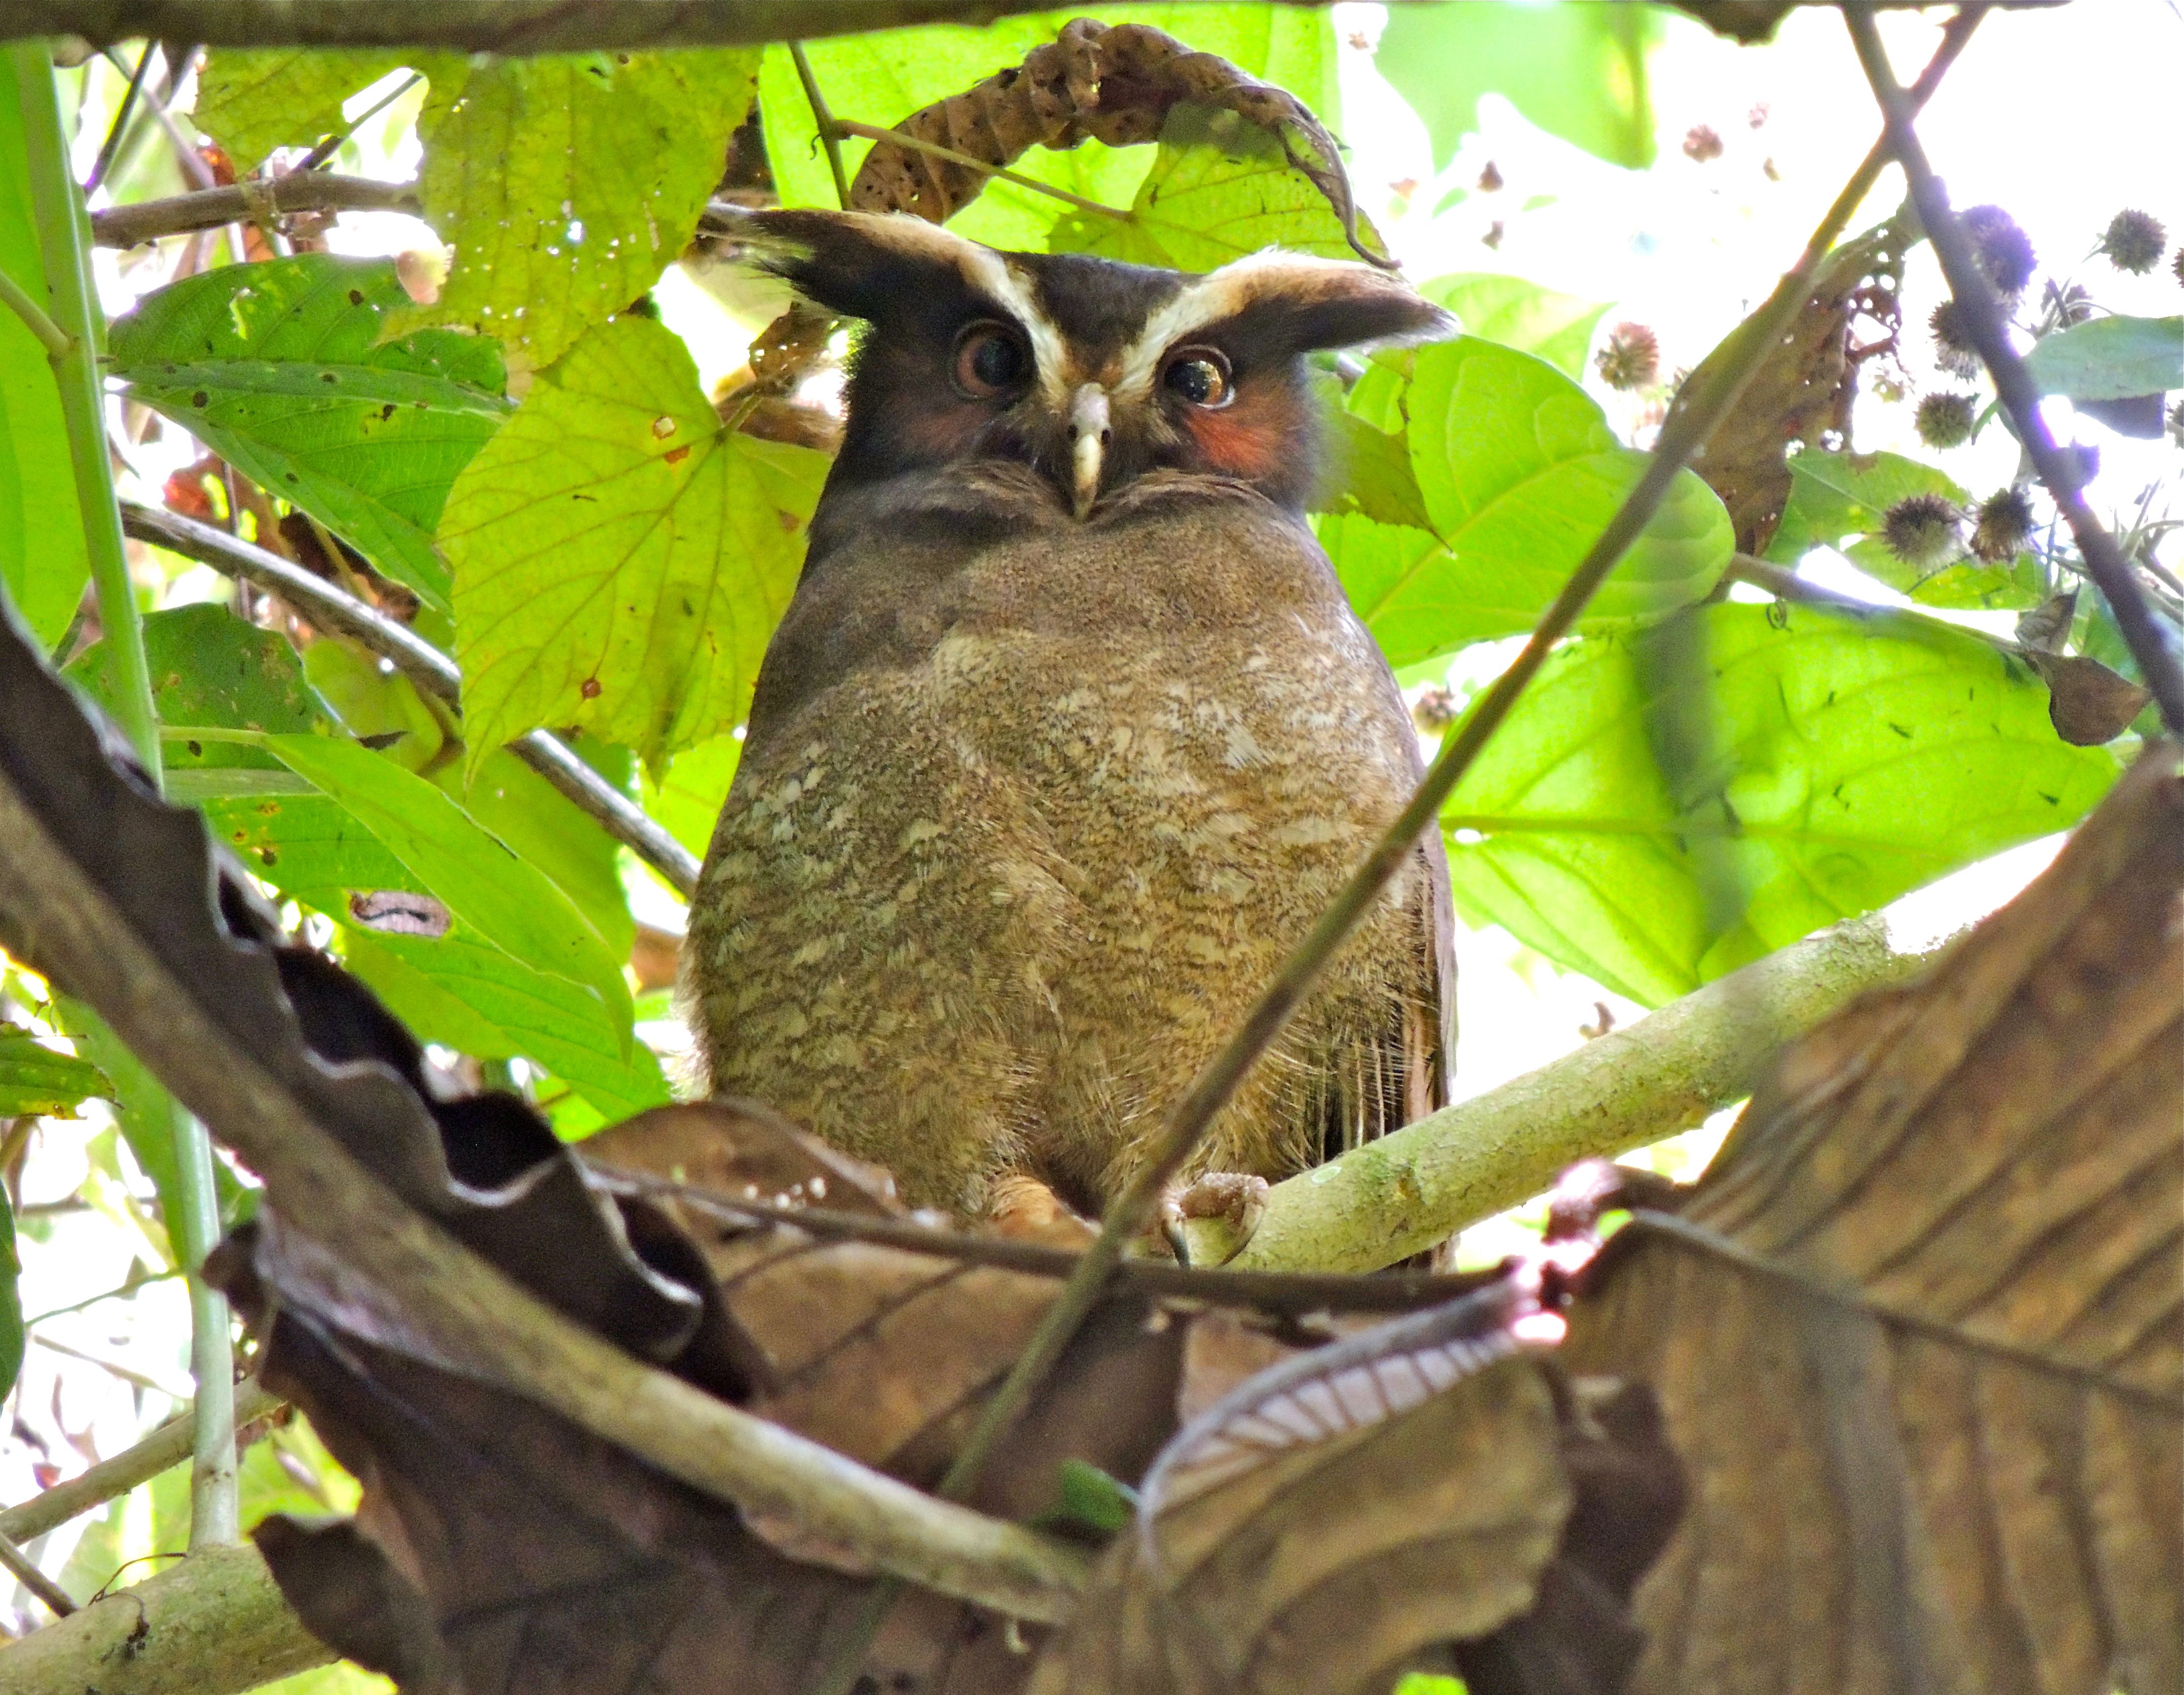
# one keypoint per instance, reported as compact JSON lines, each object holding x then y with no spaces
{"x":451,"y":1304}
{"x":209,"y":209}
{"x":520,"y":26}
{"x":2150,"y":641}
{"x":430,"y":671}
{"x":213,"y":1624}
{"x":1402,"y":1194}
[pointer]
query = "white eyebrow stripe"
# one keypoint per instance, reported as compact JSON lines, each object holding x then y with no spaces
{"x":1217,"y":295}
{"x":988,"y":270}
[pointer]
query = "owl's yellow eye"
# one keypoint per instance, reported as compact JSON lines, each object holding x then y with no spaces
{"x":991,"y":362}
{"x":1200,"y":375}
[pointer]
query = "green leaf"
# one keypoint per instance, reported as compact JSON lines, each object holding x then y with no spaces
{"x":1370,"y":473}
{"x":210,"y":668}
{"x":11,"y":1299}
{"x":567,"y":183}
{"x":253,"y":100}
{"x":274,"y":367}
{"x":44,"y":561}
{"x":621,"y":557}
{"x":1557,"y":327}
{"x":1090,"y":1499}
{"x":2110,"y":359}
{"x":1518,"y":473}
{"x":1859,"y":757}
{"x":1841,"y":500}
{"x":688,"y":797}
{"x":1577,"y":71}
{"x":882,"y":77}
{"x":1219,"y":188}
{"x":36,"y":1081}
{"x":381,"y":706}
{"x":308,"y":847}
{"x":460,"y":990}
{"x":543,"y":825}
{"x":508,"y":900}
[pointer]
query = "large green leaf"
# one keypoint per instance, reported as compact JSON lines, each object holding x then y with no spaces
{"x":567,"y":183}
{"x":34,"y":1080}
{"x":1219,"y":188}
{"x":1841,"y":500}
{"x":1520,"y":315}
{"x":882,"y":77}
{"x":689,"y":796}
{"x":208,"y":667}
{"x":507,"y":900}
{"x":2110,"y":359}
{"x":622,"y":558}
{"x":1578,"y":71}
{"x":541,"y":824}
{"x":458,"y":989}
{"x":43,"y":563}
{"x":274,"y":367}
{"x":253,"y":100}
{"x":1518,"y":473}
{"x":1858,"y":757}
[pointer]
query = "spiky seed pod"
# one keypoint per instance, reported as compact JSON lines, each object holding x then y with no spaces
{"x":2133,"y":242}
{"x":1921,"y":530}
{"x":1945,"y":420}
{"x":2176,"y":264}
{"x":1702,"y":142}
{"x":2177,"y":423}
{"x":2002,"y":527}
{"x":1953,"y":347}
{"x":2004,"y":252}
{"x":1631,"y":358}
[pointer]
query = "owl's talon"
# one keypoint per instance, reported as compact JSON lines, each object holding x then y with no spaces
{"x":1236,"y":1199}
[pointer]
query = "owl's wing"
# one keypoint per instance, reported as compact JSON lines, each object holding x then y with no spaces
{"x":1401,"y":1072}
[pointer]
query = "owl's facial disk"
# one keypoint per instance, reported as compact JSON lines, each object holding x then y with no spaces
{"x":1093,"y":373}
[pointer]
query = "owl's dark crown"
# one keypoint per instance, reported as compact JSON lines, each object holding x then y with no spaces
{"x":1092,"y":372}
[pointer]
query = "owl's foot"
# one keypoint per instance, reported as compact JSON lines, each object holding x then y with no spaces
{"x":1022,"y":1207}
{"x":1236,"y":1198}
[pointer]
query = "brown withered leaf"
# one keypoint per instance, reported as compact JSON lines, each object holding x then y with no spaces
{"x":1398,"y":1494}
{"x":1919,"y":1334}
{"x":2087,"y":703}
{"x":1802,"y":390}
{"x":1115,"y":85}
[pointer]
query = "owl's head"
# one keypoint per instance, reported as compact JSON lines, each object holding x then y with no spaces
{"x":1091,"y":372}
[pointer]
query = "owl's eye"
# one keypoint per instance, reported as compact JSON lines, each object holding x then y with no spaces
{"x":991,"y":361}
{"x":1200,"y":375}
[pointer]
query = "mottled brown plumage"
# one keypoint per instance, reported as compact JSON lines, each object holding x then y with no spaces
{"x":1062,"y":746}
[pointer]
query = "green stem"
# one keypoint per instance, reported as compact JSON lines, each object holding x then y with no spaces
{"x":57,"y":342}
{"x":65,"y":246}
{"x":830,"y":133}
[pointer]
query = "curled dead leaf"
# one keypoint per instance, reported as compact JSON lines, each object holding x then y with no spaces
{"x":2087,"y":703}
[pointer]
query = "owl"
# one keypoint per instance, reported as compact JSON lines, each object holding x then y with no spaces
{"x":1067,"y":736}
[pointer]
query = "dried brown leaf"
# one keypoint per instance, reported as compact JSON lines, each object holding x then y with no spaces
{"x":1092,"y":83}
{"x":1919,"y":1336}
{"x":2087,"y":703}
{"x":1337,"y":1516}
{"x":1802,"y":391}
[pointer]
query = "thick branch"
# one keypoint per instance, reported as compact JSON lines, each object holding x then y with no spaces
{"x":1401,"y":1195}
{"x":515,"y":26}
{"x":433,"y":673}
{"x":214,"y":1624}
{"x":208,"y":208}
{"x":449,"y":1304}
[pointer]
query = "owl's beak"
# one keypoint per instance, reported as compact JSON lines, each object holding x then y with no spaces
{"x":1089,"y":433}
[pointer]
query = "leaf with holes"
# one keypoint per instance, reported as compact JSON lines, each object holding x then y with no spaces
{"x":278,"y":368}
{"x":1860,"y":756}
{"x":621,"y":558}
{"x":567,"y":183}
{"x":253,"y":100}
{"x":1918,"y":1335}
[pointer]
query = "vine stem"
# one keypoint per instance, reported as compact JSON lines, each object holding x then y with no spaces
{"x":830,"y":132}
{"x":2151,"y":643}
{"x":63,"y":230}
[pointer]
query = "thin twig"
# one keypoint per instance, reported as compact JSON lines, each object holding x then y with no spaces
{"x":872,"y":132}
{"x":163,"y":1449}
{"x":326,"y":148}
{"x":209,"y":209}
{"x":122,"y":113}
{"x":2151,"y":644}
{"x":57,"y":342}
{"x":25,"y":1569}
{"x":113,"y":1369}
{"x":122,"y":1293}
{"x":430,"y":671}
{"x":830,"y":132}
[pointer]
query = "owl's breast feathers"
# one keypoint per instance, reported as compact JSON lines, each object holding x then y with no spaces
{"x":1029,"y":811}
